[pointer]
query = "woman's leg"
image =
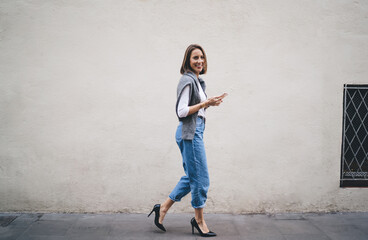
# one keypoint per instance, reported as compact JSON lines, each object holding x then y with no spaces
{"x":202,"y":176}
{"x":197,"y":169}
{"x":164,"y":208}
{"x":200,"y":220}
{"x":182,"y":188}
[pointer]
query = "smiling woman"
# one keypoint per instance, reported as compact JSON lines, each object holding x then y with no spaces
{"x":190,"y":108}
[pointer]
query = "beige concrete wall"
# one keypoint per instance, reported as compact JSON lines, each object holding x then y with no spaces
{"x":87,"y":100}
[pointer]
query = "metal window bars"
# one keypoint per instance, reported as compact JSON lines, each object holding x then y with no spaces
{"x":354,"y":150}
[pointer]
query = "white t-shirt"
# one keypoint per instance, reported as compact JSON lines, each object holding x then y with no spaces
{"x":183,"y":108}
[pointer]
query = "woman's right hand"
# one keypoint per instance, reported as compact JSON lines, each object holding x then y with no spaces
{"x":213,"y":101}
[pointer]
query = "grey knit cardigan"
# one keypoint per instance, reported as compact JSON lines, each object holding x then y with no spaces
{"x":189,"y":122}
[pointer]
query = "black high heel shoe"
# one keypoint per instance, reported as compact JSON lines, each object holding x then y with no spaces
{"x":156,"y":209}
{"x":195,"y":224}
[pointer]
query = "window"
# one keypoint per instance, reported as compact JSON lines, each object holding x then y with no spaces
{"x":354,"y":156}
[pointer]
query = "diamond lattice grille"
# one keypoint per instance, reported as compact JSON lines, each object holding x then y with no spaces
{"x":354,"y":165}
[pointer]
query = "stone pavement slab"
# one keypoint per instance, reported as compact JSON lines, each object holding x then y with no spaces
{"x":288,"y":226}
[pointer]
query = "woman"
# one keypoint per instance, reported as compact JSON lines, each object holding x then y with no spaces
{"x":190,"y":109}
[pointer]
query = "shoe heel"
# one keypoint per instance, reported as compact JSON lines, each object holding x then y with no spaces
{"x":150,"y":212}
{"x":192,"y":229}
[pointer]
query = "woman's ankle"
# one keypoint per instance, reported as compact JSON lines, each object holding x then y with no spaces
{"x":166,"y":205}
{"x":164,"y":209}
{"x":199,"y":220}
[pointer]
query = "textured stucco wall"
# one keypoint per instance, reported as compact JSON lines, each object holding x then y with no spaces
{"x":87,"y":96}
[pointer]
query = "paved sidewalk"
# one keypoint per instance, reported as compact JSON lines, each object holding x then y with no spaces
{"x":18,"y":226}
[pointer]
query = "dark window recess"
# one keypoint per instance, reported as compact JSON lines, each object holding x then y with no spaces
{"x":354,"y":156}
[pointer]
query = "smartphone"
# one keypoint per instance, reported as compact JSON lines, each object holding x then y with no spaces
{"x":223,"y":95}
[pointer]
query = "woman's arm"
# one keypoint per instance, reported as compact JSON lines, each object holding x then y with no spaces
{"x":185,"y":110}
{"x":213,"y":101}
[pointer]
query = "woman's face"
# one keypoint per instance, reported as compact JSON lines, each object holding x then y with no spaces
{"x":197,"y":61}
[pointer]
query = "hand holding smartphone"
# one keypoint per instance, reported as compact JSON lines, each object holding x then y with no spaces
{"x":216,"y":101}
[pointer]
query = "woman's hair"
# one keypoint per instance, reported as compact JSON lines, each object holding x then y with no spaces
{"x":185,"y":66}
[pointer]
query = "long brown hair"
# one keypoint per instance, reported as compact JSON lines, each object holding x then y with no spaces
{"x":185,"y":66}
